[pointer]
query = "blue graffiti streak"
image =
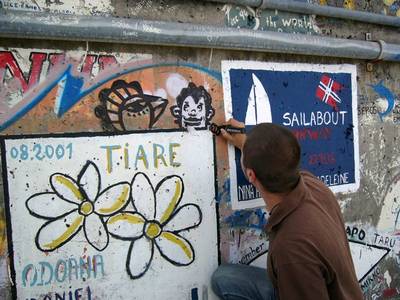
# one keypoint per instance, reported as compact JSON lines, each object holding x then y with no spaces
{"x":262,"y":221}
{"x":225,"y":193}
{"x":71,"y":92}
{"x":71,"y":88}
{"x":243,"y":218}
{"x":383,"y":91}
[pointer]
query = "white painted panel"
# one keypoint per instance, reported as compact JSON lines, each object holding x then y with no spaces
{"x":103,"y":217}
{"x":366,"y":257}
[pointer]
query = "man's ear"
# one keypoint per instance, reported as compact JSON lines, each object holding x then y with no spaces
{"x":251,"y":176}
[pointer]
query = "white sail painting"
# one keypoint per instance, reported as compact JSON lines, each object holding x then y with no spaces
{"x":258,"y":108}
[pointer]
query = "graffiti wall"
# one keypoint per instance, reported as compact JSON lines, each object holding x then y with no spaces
{"x":108,"y":203}
{"x":58,"y":85}
{"x":110,"y":175}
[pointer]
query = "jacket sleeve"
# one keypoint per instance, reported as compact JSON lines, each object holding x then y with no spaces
{"x":302,"y":281}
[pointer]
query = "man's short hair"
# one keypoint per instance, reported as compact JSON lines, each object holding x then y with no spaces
{"x":273,"y":153}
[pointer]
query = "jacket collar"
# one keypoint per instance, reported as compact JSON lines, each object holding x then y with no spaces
{"x":288,"y":205}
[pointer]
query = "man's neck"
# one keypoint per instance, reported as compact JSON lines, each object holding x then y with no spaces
{"x":271,"y":199}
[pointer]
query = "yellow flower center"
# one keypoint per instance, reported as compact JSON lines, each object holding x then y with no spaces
{"x":152,"y":230}
{"x":86,"y":208}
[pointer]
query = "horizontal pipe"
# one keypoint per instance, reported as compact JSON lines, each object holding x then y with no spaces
{"x":47,"y":26}
{"x":320,"y":10}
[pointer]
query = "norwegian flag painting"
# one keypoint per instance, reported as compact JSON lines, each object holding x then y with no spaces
{"x":327,"y":91}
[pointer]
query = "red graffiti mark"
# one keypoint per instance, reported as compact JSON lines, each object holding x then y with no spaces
{"x":106,"y":61}
{"x":87,"y":66}
{"x":322,"y":158}
{"x":8,"y":62}
{"x":388,"y":293}
{"x":55,"y":59}
{"x":313,"y":134}
{"x":94,"y":264}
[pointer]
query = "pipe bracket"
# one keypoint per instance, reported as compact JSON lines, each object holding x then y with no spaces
{"x":370,"y":64}
{"x":382,"y":46}
{"x":263,"y":4}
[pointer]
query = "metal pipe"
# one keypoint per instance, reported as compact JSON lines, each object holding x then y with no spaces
{"x":47,"y":26}
{"x":320,"y":10}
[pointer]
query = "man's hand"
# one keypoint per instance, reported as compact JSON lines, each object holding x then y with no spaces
{"x":236,"y":139}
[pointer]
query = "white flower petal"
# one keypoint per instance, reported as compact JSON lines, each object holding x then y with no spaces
{"x":143,"y":196}
{"x":66,"y":188}
{"x":48,"y":206}
{"x":169,"y":193}
{"x":186,"y":217}
{"x":175,"y":249}
{"x":112,"y":199}
{"x":126,"y":226}
{"x":96,"y":232}
{"x":89,"y":180}
{"x":57,"y":232}
{"x":140,"y":255}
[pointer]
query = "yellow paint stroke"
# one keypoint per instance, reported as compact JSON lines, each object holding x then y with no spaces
{"x":66,"y":235}
{"x":126,"y":157}
{"x":133,"y":219}
{"x":173,"y":202}
{"x":118,"y":203}
{"x":70,"y":185}
{"x":388,"y":2}
{"x":349,"y":4}
{"x":178,"y":241}
{"x":2,"y":233}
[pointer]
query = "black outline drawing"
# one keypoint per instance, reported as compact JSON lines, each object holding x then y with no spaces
{"x":174,"y":262}
{"x":50,"y":221}
{"x":134,"y":103}
{"x":83,"y":192}
{"x":371,"y":246}
{"x":128,"y":261}
{"x":157,"y":188}
{"x":153,"y":241}
{"x":193,"y":120}
{"x":178,"y":209}
{"x":128,"y":238}
{"x":255,"y":257}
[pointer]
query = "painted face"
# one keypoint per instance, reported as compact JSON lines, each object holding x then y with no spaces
{"x":193,"y":114}
{"x":142,"y":109}
{"x":126,"y":107}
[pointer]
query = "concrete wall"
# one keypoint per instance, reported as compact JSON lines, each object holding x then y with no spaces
{"x":28,"y":67}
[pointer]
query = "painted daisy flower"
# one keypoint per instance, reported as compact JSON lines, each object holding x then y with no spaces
{"x":76,"y":204}
{"x":156,"y":223}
